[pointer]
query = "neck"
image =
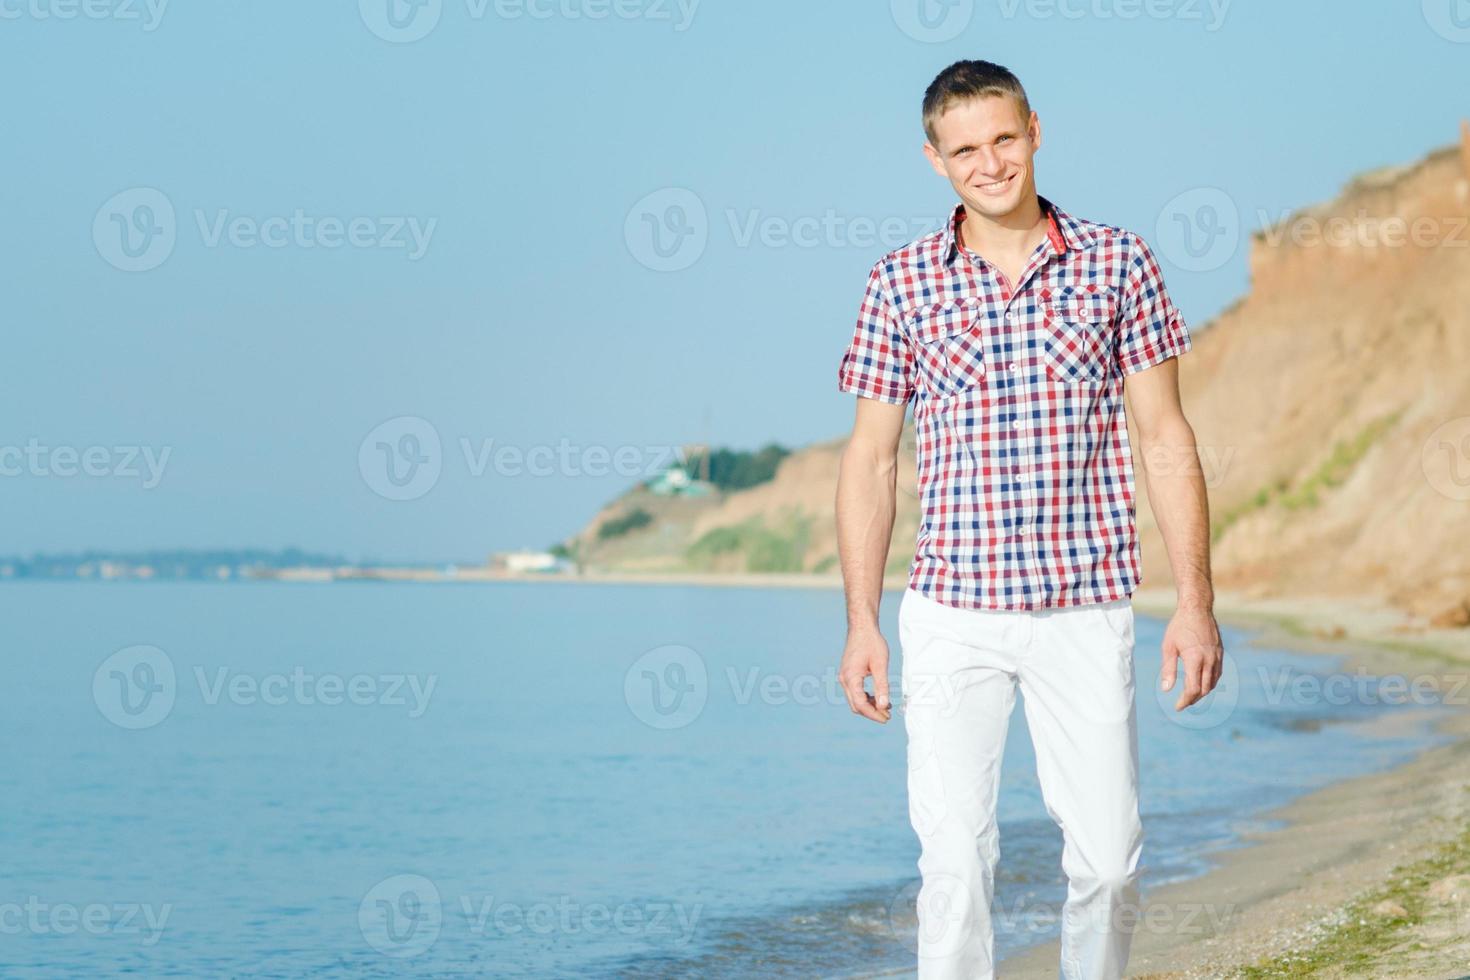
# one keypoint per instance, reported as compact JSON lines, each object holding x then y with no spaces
{"x":1017,"y":231}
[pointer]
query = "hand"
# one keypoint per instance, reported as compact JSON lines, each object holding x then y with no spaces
{"x":866,"y":653}
{"x":1193,"y":636}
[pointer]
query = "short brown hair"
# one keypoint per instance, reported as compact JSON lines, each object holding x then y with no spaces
{"x":965,"y":80}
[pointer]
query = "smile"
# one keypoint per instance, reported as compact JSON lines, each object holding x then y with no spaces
{"x":996,"y":187}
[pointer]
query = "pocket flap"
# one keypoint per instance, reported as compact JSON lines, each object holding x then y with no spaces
{"x":1083,"y":306}
{"x":939,"y":320}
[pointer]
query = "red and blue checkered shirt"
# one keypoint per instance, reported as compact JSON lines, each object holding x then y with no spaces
{"x":1025,"y":474}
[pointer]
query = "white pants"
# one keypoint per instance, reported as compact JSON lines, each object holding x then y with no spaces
{"x":1074,"y":667}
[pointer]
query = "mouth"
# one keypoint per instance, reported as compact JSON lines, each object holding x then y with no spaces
{"x":999,"y":187}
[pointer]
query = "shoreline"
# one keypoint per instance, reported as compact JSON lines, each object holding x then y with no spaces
{"x":1284,"y":889}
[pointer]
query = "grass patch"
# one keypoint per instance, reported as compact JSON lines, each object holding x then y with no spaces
{"x":1359,"y":941}
{"x":763,"y":549}
{"x":1307,"y":493}
{"x":618,"y":526}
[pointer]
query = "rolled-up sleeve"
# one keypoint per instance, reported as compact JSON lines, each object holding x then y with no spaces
{"x":878,"y":362}
{"x":1150,"y":328}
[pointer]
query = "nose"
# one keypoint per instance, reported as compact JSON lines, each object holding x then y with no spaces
{"x":990,"y":162}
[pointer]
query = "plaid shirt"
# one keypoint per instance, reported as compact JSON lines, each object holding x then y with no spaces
{"x":1025,"y":472}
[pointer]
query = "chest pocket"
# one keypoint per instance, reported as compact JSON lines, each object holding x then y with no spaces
{"x":949,"y":345}
{"x":1077,"y":334}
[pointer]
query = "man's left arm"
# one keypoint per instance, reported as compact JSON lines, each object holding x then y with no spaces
{"x":1151,"y":336}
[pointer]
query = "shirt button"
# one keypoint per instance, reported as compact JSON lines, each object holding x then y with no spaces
{"x":1016,"y":424}
{"x":1014,"y":368}
{"x":1011,"y":316}
{"x":1022,"y":529}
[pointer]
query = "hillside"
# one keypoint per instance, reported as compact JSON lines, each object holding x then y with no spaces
{"x":1331,"y":405}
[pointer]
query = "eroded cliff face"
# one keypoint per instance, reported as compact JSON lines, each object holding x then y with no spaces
{"x":1331,"y":405}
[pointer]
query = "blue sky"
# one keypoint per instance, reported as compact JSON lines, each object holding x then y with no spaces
{"x":256,"y":251}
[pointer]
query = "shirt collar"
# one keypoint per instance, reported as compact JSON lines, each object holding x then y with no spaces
{"x":1064,"y":231}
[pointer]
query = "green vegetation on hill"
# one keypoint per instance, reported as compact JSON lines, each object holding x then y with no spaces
{"x":733,"y":469}
{"x":1333,"y":472}
{"x":618,"y":526}
{"x":764,"y":549}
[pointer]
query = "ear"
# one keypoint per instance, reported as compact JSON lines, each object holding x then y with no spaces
{"x":1034,"y":127}
{"x":935,"y":160}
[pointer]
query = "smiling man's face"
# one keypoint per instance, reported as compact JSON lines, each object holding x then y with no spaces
{"x":986,"y":147}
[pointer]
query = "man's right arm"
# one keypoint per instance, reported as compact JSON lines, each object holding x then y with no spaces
{"x":878,"y":367}
{"x":866,"y":493}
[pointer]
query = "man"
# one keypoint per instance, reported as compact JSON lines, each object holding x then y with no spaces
{"x":1016,"y":330}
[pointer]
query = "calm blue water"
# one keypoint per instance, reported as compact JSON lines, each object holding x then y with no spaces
{"x":526,"y":780}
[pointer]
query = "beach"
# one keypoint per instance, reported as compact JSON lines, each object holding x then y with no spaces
{"x":1371,"y":871}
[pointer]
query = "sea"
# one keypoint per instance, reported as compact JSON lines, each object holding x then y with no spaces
{"x":558,"y":779}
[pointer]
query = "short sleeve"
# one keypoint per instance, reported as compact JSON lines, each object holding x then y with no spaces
{"x":1150,"y":328}
{"x":878,"y":362}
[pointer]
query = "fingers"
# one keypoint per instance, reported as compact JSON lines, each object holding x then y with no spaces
{"x":860,"y":701}
{"x":880,"y":691}
{"x":1193,"y":670}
